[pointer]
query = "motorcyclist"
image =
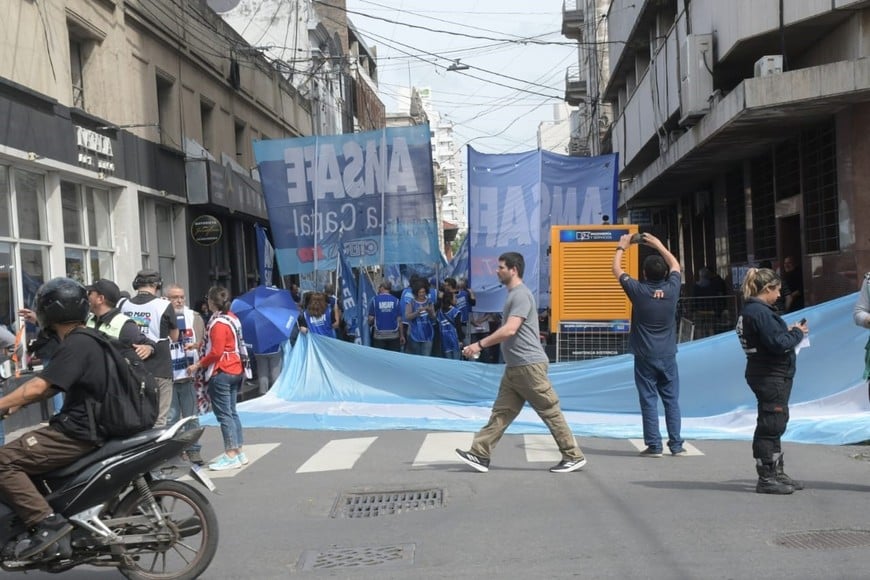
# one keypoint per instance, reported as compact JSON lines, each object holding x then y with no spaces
{"x":79,"y":370}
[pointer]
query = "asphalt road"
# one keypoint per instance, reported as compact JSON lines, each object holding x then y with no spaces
{"x":622,"y":516}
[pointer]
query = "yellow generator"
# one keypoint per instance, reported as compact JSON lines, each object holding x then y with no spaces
{"x":589,"y":313}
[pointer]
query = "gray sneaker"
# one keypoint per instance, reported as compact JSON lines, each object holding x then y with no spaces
{"x":650,"y":452}
{"x":480,"y":464}
{"x":568,"y":465}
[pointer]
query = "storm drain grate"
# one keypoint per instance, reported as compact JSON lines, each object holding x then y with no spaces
{"x":825,"y":539}
{"x":386,"y":503}
{"x":398,"y":555}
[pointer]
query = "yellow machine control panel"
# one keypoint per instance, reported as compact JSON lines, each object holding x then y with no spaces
{"x":583,"y":288}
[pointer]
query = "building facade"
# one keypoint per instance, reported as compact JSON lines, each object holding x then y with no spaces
{"x":741,"y":128}
{"x":125,"y":142}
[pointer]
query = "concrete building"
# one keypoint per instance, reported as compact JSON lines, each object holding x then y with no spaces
{"x":125,"y":142}
{"x":555,"y":135}
{"x":741,"y":128}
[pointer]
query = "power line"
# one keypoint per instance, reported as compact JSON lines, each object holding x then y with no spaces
{"x":528,"y":40}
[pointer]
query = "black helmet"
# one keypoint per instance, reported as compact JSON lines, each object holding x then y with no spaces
{"x":147,"y":277}
{"x":61,"y":300}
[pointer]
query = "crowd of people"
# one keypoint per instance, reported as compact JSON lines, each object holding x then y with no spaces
{"x":423,"y":318}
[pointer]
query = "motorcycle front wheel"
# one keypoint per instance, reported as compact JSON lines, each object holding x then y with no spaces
{"x":184,"y":548}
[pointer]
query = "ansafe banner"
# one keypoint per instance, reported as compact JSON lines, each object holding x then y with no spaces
{"x":370,"y":192}
{"x":514,"y":198}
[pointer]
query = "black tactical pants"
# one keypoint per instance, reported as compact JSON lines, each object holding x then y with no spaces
{"x":772,"y":394}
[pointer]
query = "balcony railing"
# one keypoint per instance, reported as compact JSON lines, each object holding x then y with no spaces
{"x":575,"y":86}
{"x":572,"y":19}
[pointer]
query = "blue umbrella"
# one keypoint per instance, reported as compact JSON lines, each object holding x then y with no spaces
{"x":268,"y":316}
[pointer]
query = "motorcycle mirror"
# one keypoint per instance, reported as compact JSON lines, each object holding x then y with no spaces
{"x":6,"y":369}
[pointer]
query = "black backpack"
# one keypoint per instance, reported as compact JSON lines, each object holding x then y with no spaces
{"x":131,"y":402}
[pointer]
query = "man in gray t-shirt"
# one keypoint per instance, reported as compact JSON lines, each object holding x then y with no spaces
{"x":525,"y":376}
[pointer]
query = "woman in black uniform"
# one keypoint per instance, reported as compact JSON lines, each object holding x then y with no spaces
{"x":770,"y":366}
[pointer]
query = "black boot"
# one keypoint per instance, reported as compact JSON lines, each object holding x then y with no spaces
{"x":767,"y":482}
{"x":782,"y":476}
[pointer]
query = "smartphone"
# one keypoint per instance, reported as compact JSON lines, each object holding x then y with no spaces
{"x":636,"y":238}
{"x":803,"y":321}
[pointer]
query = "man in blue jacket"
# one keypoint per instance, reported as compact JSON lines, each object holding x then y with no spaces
{"x":653,"y":341}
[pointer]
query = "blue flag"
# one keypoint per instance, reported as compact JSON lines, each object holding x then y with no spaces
{"x":366,"y":293}
{"x":348,"y":297}
{"x":458,"y":266}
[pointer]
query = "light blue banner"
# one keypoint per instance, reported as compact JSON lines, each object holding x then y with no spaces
{"x":330,"y":384}
{"x":514,"y":199}
{"x":373,"y":189}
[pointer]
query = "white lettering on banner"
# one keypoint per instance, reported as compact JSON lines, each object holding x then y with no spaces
{"x":515,"y":227}
{"x":363,"y":174}
{"x":327,"y":222}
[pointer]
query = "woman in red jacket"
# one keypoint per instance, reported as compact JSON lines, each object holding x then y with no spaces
{"x":224,"y":374}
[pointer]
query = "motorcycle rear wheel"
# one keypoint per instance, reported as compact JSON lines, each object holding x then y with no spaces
{"x":193,"y":537}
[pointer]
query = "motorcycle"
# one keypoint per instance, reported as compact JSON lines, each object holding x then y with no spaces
{"x":125,"y":514}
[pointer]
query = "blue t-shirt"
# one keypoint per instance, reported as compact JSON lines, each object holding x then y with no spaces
{"x":321,"y":325}
{"x":653,"y":320}
{"x":421,"y":327}
{"x":385,"y":309}
{"x":449,"y":336}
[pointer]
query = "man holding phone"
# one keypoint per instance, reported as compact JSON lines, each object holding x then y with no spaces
{"x":653,"y":340}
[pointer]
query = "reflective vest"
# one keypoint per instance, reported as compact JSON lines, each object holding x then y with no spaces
{"x":111,"y":327}
{"x":146,"y":316}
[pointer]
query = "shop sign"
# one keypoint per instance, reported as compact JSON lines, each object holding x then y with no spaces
{"x":235,"y":191}
{"x":95,"y":150}
{"x":206,"y":230}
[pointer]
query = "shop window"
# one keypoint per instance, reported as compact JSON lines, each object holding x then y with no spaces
{"x":144,"y":237}
{"x":72,"y":213}
{"x":821,"y":212}
{"x":29,"y":189}
{"x":165,"y":241}
{"x":22,"y":215}
{"x":5,"y":203}
{"x":86,"y":232}
{"x":98,"y":217}
{"x":74,"y":259}
{"x":34,"y":264}
{"x":158,"y":237}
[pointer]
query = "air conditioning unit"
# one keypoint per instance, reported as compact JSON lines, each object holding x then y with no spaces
{"x":770,"y":64}
{"x":696,"y":77}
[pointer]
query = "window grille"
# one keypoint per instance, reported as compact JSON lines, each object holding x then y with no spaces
{"x":735,"y":203}
{"x":763,"y":210}
{"x":821,"y":215}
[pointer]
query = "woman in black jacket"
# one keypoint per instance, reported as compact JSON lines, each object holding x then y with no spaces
{"x":770,"y":366}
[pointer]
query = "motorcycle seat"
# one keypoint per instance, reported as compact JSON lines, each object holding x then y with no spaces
{"x":108,"y":449}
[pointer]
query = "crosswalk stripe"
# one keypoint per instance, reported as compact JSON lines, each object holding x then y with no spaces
{"x":690,"y":449}
{"x":338,"y":454}
{"x":541,"y":448}
{"x":439,"y":448}
{"x":253,"y":452}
